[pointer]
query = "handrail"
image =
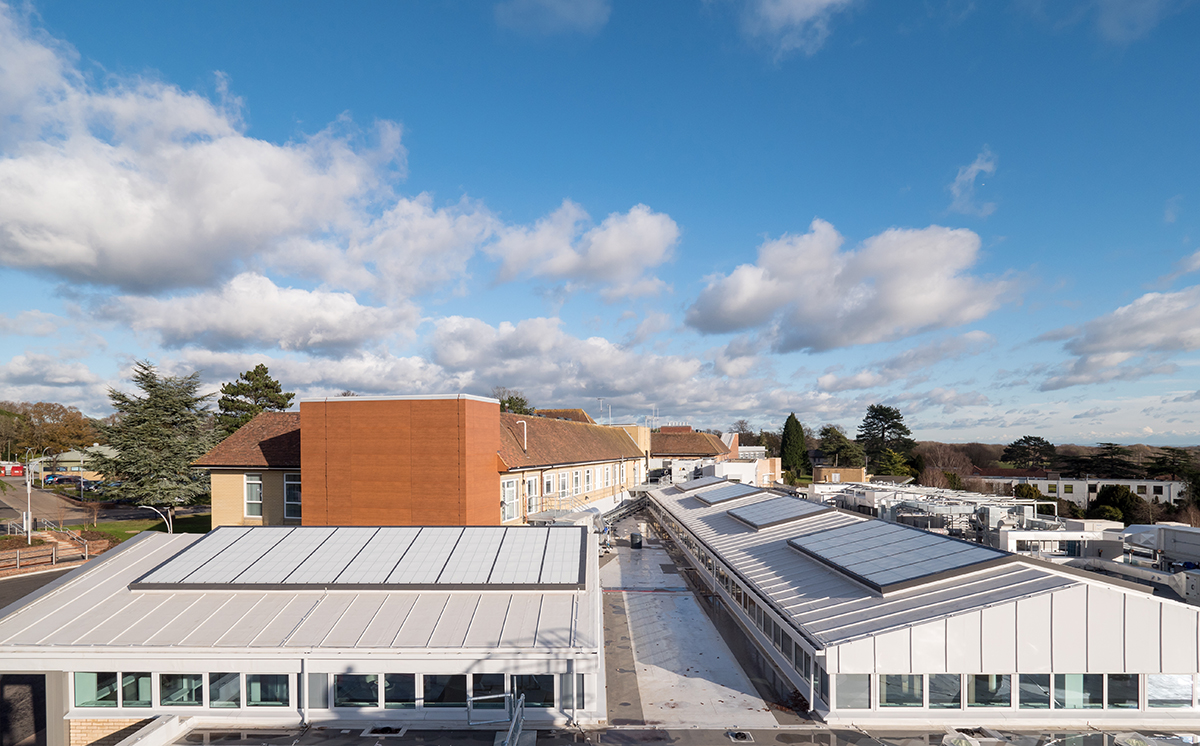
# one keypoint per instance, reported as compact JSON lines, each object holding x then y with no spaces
{"x":518,"y":721}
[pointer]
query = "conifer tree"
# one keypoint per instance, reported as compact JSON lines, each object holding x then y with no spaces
{"x":793,"y":449}
{"x":253,"y":392}
{"x":157,"y":436}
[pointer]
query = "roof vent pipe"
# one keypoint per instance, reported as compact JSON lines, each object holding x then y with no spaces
{"x":525,"y":431}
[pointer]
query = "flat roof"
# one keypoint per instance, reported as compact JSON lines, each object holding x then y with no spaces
{"x":389,"y":557}
{"x":401,"y":397}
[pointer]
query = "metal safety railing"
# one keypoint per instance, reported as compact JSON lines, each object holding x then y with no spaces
{"x":473,"y":704}
{"x":518,"y":721}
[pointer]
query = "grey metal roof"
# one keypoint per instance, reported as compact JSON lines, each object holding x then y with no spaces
{"x":99,"y":606}
{"x":398,"y":557}
{"x":890,"y":556}
{"x":724,"y":494}
{"x":827,"y":605}
{"x":774,"y":512}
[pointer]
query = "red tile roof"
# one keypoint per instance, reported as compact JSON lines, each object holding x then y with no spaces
{"x":575,"y":415}
{"x":269,"y":441}
{"x":555,"y":442}
{"x":686,"y":444}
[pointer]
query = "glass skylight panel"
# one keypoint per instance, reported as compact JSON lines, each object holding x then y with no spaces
{"x":695,"y":484}
{"x":776,"y":511}
{"x":187,"y":562}
{"x":889,"y":556}
{"x":383,"y":552}
{"x":241,"y":554}
{"x":472,"y":560}
{"x":324,"y":565}
{"x":565,"y":553}
{"x":519,"y":561}
{"x":283,"y":558}
{"x":428,"y":555}
{"x":724,"y":494}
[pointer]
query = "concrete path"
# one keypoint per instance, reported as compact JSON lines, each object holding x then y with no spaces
{"x":686,"y":675}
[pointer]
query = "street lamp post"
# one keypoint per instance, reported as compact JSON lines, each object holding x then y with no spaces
{"x":166,"y":520}
{"x":28,"y":500}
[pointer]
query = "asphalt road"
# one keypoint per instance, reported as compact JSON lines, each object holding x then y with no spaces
{"x":48,"y":506}
{"x":19,"y":586}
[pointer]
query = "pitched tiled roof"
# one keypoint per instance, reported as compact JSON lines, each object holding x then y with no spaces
{"x":686,"y":444}
{"x":1010,"y":473}
{"x":575,"y":415}
{"x":271,"y":440}
{"x":553,"y":442}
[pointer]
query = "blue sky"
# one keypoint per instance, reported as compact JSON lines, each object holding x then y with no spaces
{"x":984,"y":214}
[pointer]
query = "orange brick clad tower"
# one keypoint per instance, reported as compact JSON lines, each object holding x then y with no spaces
{"x":400,"y":461}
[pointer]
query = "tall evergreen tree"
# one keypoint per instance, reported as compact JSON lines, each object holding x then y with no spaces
{"x":840,"y":449}
{"x":883,"y":428}
{"x":253,"y":392}
{"x":1030,"y":452}
{"x":793,"y":447}
{"x":157,"y":436}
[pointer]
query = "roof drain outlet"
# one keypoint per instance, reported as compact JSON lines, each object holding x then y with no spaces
{"x":739,"y":736}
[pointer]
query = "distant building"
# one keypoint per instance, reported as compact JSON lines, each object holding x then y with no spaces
{"x":1079,"y":491}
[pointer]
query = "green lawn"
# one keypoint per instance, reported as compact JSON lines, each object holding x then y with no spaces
{"x":122,"y":530}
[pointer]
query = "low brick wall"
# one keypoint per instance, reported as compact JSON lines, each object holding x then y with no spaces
{"x":103,"y":732}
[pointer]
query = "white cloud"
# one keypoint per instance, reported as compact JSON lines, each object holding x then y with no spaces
{"x":31,"y":323}
{"x":909,"y":362}
{"x":554,"y":16}
{"x":250,"y":310}
{"x":1171,"y":209}
{"x":812,"y":295}
{"x":1184,"y":266}
{"x":792,"y":25}
{"x":617,"y":253}
{"x":40,"y":369}
{"x":963,"y":188}
{"x":1132,"y":342}
{"x":1094,"y":413}
{"x":1125,"y":21}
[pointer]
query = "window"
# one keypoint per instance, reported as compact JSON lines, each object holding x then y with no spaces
{"x":1052,"y":488}
{"x":508,"y":499}
{"x":787,"y":647}
{"x":1158,"y":489}
{"x":267,"y":690}
{"x":224,"y":690}
{"x":135,"y":690}
{"x":488,"y":685}
{"x":1141,"y":489}
{"x":355,"y":690}
{"x":564,"y":485}
{"x":853,"y":691}
{"x":945,"y":691}
{"x":1169,"y":690}
{"x":95,"y":689}
{"x":399,"y":691}
{"x":608,"y":476}
{"x":1092,"y":488}
{"x":254,"y":495}
{"x":623,"y":472}
{"x":446,"y":691}
{"x":1123,"y":691}
{"x":538,"y":689}
{"x":531,"y":494}
{"x":1079,"y":691}
{"x":180,"y":690}
{"x":587,"y":480}
{"x":1068,"y":489}
{"x":291,"y":495}
{"x":901,"y":690}
{"x":318,"y":691}
{"x":988,"y":690}
{"x":575,"y":482}
{"x":1033,"y":691}
{"x":571,"y":689}
{"x":548,"y":487}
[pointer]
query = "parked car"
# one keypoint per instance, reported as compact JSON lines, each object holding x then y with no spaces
{"x":53,"y":478}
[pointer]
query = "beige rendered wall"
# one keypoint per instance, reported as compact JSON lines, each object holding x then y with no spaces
{"x":229,"y":494}
{"x":103,"y":732}
{"x":845,"y":474}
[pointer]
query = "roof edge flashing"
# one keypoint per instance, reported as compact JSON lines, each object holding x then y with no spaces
{"x":400,"y":397}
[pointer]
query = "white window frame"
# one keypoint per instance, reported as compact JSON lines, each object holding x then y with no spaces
{"x":508,"y":500}
{"x":575,"y":482}
{"x":531,"y":494}
{"x":587,"y":480}
{"x":247,"y":480}
{"x":291,"y":479}
{"x":564,"y":484}
{"x":608,"y":475}
{"x":548,"y":484}
{"x":624,"y":475}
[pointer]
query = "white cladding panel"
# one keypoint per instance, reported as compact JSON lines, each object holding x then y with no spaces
{"x":893,"y":651}
{"x":1033,"y":634}
{"x":929,"y":647}
{"x":1105,"y":627}
{"x":1180,"y":630}
{"x":857,"y":656}
{"x":1142,"y":626}
{"x":999,"y":637}
{"x":963,"y":643}
{"x":1068,"y":629}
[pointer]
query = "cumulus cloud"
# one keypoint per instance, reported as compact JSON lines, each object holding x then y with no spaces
{"x":42,"y":370}
{"x":1094,"y":413}
{"x":792,"y":25}
{"x":1184,"y":266}
{"x":251,"y":310}
{"x":1132,"y":342}
{"x":963,"y":187}
{"x":950,"y":400}
{"x":30,"y":323}
{"x":618,"y":252}
{"x":553,"y":16}
{"x":809,"y":294}
{"x":909,"y":362}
